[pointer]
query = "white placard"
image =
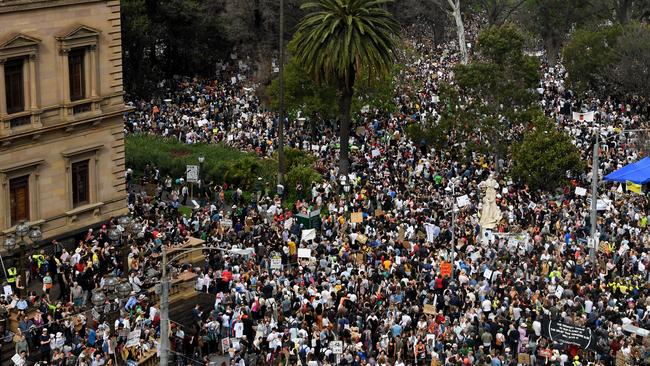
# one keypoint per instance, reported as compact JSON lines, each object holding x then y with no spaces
{"x":233,"y":80}
{"x":226,"y":223}
{"x":581,"y":191}
{"x":17,"y":360}
{"x":192,"y":173}
{"x":488,"y":274}
{"x":559,"y":290}
{"x":309,"y":234}
{"x":337,"y":347}
{"x":276,"y":262}
{"x":304,"y":253}
{"x":7,"y":290}
{"x":462,"y":201}
{"x":133,"y":339}
{"x":532,"y":205}
{"x":375,"y":153}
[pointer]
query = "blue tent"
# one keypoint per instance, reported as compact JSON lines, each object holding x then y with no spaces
{"x":638,"y":172}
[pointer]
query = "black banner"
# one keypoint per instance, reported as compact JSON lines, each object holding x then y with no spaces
{"x":568,"y":334}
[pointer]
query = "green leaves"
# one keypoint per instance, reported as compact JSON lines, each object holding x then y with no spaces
{"x":610,"y":60}
{"x":340,"y":38}
{"x":544,"y":156}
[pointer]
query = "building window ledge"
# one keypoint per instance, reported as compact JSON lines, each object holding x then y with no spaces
{"x":85,"y":208}
{"x":12,"y":229}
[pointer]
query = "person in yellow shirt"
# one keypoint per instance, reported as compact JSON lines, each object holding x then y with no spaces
{"x":292,"y":248}
{"x":387,"y":263}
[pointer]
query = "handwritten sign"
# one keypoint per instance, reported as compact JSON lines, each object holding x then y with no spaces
{"x":429,"y":309}
{"x":356,"y":217}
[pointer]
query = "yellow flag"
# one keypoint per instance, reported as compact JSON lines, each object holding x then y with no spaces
{"x":633,"y":187}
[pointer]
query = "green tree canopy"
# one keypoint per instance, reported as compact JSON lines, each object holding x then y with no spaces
{"x":544,"y":156}
{"x":610,"y":60}
{"x":496,"y":90}
{"x":336,"y":41}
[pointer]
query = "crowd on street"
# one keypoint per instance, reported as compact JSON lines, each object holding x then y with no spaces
{"x":368,"y":282}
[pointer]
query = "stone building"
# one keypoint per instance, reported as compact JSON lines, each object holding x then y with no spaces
{"x":61,"y":109}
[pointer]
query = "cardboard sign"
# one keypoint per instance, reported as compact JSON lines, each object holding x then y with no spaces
{"x":379,"y":212}
{"x":445,"y":269}
{"x":603,"y":246}
{"x":523,"y":359}
{"x":225,"y":344}
{"x":581,"y":191}
{"x":356,"y":217}
{"x":429,"y":309}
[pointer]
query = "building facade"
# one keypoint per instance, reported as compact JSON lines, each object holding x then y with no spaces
{"x":61,"y":115}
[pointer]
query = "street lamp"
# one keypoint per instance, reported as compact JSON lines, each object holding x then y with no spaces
{"x":23,"y":231}
{"x":345,"y":184}
{"x":454,"y":208}
{"x":201,"y":161}
{"x":98,"y":298}
{"x":164,"y":296}
{"x":123,"y":288}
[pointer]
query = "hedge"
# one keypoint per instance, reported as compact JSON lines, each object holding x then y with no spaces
{"x":222,"y":163}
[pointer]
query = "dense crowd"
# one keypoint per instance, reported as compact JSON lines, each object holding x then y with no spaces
{"x":370,"y":272}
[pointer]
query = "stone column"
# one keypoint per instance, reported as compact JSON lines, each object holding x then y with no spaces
{"x":33,"y":79}
{"x":91,"y":71}
{"x":3,"y":98}
{"x":65,"y":84}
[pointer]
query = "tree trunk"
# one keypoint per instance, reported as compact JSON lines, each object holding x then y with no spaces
{"x":460,"y":29}
{"x":281,"y":159}
{"x":345,"y":101}
{"x":623,"y":11}
{"x":552,"y":51}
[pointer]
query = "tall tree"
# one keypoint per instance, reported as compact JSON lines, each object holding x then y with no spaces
{"x":496,"y":88}
{"x":336,"y":41}
{"x":499,"y":11}
{"x":452,"y":7}
{"x":552,"y":20}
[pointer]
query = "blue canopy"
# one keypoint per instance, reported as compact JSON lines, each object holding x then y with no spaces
{"x":638,"y":172}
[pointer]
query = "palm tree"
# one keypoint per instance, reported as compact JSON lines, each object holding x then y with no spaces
{"x":336,"y":41}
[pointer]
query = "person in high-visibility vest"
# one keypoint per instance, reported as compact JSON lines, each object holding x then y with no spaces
{"x":12,"y":273}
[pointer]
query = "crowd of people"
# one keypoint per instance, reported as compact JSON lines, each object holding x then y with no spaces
{"x":369,"y":281}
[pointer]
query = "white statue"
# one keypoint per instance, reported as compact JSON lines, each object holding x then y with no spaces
{"x":490,"y":214}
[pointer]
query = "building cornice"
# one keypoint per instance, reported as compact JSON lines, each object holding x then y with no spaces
{"x":11,"y":6}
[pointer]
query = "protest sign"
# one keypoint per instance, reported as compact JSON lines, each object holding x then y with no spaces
{"x":304,"y":253}
{"x":523,"y":359}
{"x":583,"y":117}
{"x":567,"y":334}
{"x":133,"y":338}
{"x":356,"y":217}
{"x":309,"y":234}
{"x":462,"y":201}
{"x":276,"y":262}
{"x":429,"y":309}
{"x":581,"y":191}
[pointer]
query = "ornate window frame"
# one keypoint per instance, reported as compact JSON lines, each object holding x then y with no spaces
{"x":13,"y":46}
{"x":30,"y":168}
{"x":79,"y":36}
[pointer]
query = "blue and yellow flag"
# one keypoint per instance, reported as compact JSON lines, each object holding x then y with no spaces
{"x":633,"y":187}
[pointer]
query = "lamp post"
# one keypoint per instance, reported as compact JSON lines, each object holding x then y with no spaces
{"x":164,"y":297}
{"x":454,"y":208}
{"x":23,"y":231}
{"x":345,"y":184}
{"x":201,"y":159}
{"x":127,"y":225}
